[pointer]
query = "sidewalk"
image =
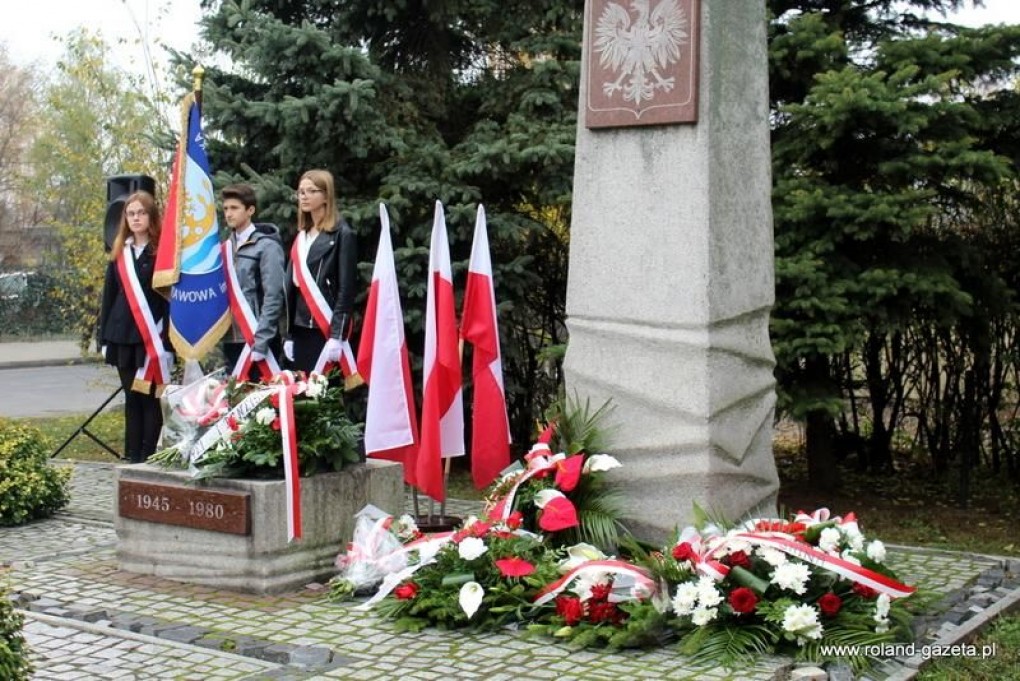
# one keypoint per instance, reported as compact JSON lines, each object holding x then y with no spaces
{"x":25,"y":354}
{"x":85,"y":619}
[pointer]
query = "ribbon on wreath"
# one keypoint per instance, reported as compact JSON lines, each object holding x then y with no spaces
{"x":322,"y":314}
{"x":154,"y":370}
{"x":244,"y":317}
{"x":631,"y":577}
{"x":286,"y":390}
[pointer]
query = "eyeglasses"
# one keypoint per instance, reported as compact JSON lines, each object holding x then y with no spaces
{"x":136,"y":213}
{"x":307,"y":192}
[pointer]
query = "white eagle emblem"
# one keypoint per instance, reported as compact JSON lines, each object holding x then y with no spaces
{"x":640,"y":50}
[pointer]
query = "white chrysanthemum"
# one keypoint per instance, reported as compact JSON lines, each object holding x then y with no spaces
{"x":685,"y":599}
{"x":708,"y":595}
{"x":471,"y":547}
{"x":876,"y":551}
{"x":405,"y":527}
{"x":702,"y":615}
{"x":316,"y":386}
{"x":470,"y":598}
{"x":773,"y":557}
{"x":829,"y":539}
{"x":792,"y":577}
{"x":597,"y":463}
{"x":802,"y":621}
{"x":265,"y":415}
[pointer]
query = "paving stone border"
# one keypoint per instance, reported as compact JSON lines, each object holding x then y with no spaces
{"x":302,"y":660}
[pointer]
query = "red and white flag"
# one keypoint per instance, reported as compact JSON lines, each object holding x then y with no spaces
{"x":391,"y":427}
{"x":442,"y":414}
{"x":490,"y":428}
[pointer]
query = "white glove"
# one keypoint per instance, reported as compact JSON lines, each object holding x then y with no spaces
{"x":167,"y":358}
{"x":257,"y":356}
{"x":288,"y":350}
{"x":333,"y":350}
{"x":102,"y":351}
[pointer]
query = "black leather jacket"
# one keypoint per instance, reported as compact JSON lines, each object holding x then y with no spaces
{"x":333,"y":261}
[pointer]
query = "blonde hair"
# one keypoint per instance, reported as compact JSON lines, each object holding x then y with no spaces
{"x":322,"y":179}
{"x":123,"y":232}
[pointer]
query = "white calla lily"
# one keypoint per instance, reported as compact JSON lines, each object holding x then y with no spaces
{"x":545,"y":496}
{"x":597,"y":463}
{"x":470,"y":598}
{"x":579,"y":554}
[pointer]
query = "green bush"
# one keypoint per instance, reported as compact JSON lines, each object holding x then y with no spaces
{"x":29,"y":487}
{"x":14,"y":664}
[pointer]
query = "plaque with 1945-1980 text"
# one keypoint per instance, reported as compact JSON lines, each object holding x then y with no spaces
{"x":204,"y":509}
{"x":642,"y":62}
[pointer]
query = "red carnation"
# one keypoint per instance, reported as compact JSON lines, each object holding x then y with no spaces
{"x":275,"y":425}
{"x":684,"y":551}
{"x":740,"y":559}
{"x":514,"y":567}
{"x":232,"y":422}
{"x":274,"y":399}
{"x":514,"y":520}
{"x":570,"y":609}
{"x":406,"y":592}
{"x":865,"y":591}
{"x":743,"y":600}
{"x":600,"y":592}
{"x":830,"y":604}
{"x":604,"y":612}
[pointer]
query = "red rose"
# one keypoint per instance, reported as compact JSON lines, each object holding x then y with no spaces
{"x":684,"y":551}
{"x":865,"y":591}
{"x":600,"y":592}
{"x":514,"y":520}
{"x":830,"y":604}
{"x":743,"y":600}
{"x":570,"y":609}
{"x":740,"y":559}
{"x":406,"y":591}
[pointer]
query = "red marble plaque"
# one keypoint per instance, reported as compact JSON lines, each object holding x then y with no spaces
{"x":204,"y":509}
{"x":642,"y":62}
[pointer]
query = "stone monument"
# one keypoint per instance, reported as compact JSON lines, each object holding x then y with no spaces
{"x":671,"y":255}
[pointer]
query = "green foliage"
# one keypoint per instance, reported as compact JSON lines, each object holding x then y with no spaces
{"x":465,"y":102}
{"x":29,"y":487}
{"x":14,"y":662}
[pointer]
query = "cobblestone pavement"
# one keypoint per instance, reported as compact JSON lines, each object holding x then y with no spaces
{"x":85,"y":619}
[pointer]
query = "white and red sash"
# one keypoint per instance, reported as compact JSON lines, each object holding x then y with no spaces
{"x":244,"y":317}
{"x":321,"y":312}
{"x":154,"y":370}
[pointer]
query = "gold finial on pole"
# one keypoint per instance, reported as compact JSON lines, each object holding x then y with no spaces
{"x":198,"y":73}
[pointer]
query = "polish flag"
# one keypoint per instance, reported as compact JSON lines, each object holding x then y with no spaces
{"x":391,"y":427}
{"x":490,"y":428}
{"x":442,"y":416}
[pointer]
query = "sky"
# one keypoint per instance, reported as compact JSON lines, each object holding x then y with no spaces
{"x":28,"y":31}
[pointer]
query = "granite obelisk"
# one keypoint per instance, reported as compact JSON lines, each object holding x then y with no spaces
{"x":671,"y":256}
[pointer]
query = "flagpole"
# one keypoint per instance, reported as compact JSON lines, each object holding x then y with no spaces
{"x":198,"y":73}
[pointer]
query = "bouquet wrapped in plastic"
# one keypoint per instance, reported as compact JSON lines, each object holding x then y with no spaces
{"x":376,"y":550}
{"x":189,"y":411}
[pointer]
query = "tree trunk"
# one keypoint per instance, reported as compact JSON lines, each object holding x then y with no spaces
{"x":820,"y":431}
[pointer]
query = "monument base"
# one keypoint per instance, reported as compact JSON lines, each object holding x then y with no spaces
{"x":261,"y":560}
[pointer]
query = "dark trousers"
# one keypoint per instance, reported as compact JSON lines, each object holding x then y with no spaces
{"x":308,"y":344}
{"x":143,"y":419}
{"x":232,"y":350}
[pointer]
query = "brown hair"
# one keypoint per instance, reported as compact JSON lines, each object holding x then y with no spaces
{"x":242,"y":192}
{"x":322,"y":179}
{"x":123,"y":232}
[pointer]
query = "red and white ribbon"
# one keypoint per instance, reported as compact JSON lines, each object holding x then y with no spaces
{"x":244,"y":317}
{"x":844,"y":568}
{"x":291,"y":469}
{"x":154,"y":369}
{"x":320,"y":309}
{"x":637,"y":579}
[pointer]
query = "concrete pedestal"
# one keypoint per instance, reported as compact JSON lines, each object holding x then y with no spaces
{"x":263,"y":561}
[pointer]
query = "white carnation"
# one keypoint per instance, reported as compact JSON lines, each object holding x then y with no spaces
{"x":876,"y":551}
{"x":773,"y":557}
{"x":792,"y":577}
{"x":882,"y":606}
{"x":265,"y":415}
{"x":829,"y":539}
{"x":802,"y":621}
{"x":471,"y":547}
{"x":702,"y":615}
